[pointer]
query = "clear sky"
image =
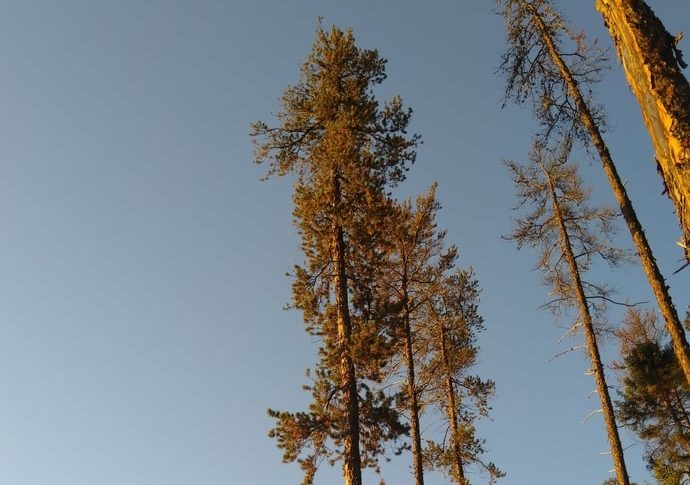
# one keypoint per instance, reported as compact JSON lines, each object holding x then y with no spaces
{"x":143,"y":262}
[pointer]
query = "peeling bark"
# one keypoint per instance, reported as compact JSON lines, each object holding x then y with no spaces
{"x":652,"y":63}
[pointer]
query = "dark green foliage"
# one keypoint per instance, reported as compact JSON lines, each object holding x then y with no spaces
{"x":655,"y":399}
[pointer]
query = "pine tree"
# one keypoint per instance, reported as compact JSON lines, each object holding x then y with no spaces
{"x":415,"y":263}
{"x":436,"y":344}
{"x":452,"y":325}
{"x":346,"y":151}
{"x":655,"y":398}
{"x":570,"y":235}
{"x":556,"y":69}
{"x":652,"y":63}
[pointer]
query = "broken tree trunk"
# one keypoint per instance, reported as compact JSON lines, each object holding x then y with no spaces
{"x":652,"y":64}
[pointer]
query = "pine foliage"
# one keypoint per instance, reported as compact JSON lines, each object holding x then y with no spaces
{"x":346,"y":151}
{"x":437,"y":344}
{"x":655,"y":398}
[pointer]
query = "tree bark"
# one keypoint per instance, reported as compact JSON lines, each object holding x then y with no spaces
{"x":352,"y":465}
{"x":592,"y":346}
{"x":452,"y":410}
{"x":412,"y":391}
{"x":647,"y":52}
{"x":414,"y":410}
{"x":656,"y":280}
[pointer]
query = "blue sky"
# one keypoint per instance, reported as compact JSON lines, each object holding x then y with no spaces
{"x":143,"y":262}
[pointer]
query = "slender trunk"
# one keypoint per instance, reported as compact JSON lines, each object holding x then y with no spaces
{"x":592,"y":346}
{"x":352,"y":466}
{"x":656,"y":280}
{"x":452,"y":410}
{"x":651,"y":64}
{"x":414,"y":409}
{"x":412,"y":391}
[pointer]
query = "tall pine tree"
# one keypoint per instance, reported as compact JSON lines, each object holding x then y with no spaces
{"x":346,"y":151}
{"x":570,"y":235}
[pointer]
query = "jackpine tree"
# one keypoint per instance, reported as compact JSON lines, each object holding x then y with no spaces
{"x":435,"y":346}
{"x":416,"y":262}
{"x":654,"y":397}
{"x":652,"y":62}
{"x":345,"y":151}
{"x":554,"y":68}
{"x":570,"y":236}
{"x":453,"y":324}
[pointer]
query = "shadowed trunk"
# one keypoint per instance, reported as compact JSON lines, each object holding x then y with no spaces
{"x":414,"y":408}
{"x":412,"y":391}
{"x":452,"y":410}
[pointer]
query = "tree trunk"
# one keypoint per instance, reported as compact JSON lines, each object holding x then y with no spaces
{"x":412,"y":390}
{"x":452,"y":410}
{"x":592,"y":346}
{"x":656,"y":281}
{"x":352,"y":466}
{"x":647,"y":52}
{"x":414,"y":411}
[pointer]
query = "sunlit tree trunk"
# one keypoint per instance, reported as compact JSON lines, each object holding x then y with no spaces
{"x":346,"y":151}
{"x":652,"y":64}
{"x":656,"y":280}
{"x":352,"y":468}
